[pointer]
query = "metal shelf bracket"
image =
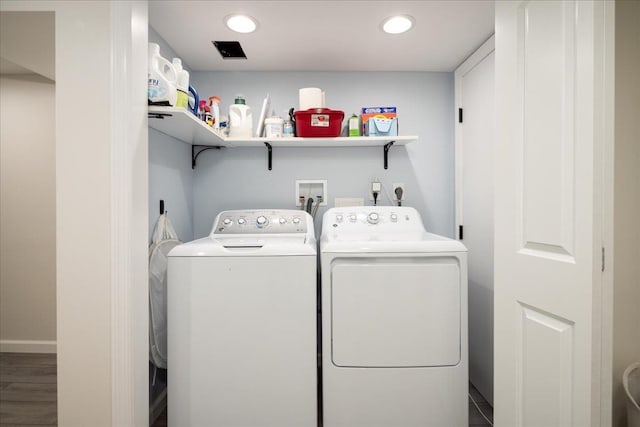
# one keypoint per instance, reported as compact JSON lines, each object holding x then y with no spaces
{"x":386,"y":154}
{"x":269,"y":155}
{"x":197,"y":149}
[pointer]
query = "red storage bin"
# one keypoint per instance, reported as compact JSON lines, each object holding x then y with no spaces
{"x":318,"y":122}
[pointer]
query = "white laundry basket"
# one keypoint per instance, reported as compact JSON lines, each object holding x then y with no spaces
{"x":631,"y":383}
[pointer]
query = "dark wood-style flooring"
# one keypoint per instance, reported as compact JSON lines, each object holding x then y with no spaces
{"x":28,"y":389}
{"x":28,"y":393}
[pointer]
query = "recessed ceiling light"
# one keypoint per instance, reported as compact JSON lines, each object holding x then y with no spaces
{"x":397,"y":24}
{"x":241,"y":23}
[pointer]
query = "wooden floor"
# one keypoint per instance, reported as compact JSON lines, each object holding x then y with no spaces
{"x":28,"y":393}
{"x":28,"y":389}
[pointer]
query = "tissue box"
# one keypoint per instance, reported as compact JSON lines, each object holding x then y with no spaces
{"x":370,"y":112}
{"x":380,"y":126}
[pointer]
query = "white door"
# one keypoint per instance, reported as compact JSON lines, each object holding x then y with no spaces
{"x":474,"y":89}
{"x":549,"y":114}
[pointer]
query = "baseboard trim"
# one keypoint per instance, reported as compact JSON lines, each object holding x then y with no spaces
{"x":28,"y":346}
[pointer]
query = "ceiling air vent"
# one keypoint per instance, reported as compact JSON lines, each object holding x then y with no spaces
{"x":230,"y":50}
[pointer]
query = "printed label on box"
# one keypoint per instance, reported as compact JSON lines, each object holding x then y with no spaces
{"x":382,"y":112}
{"x":320,"y":120}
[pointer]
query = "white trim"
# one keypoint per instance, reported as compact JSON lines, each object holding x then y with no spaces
{"x":468,"y":65}
{"x":121,"y":298}
{"x":28,"y":346}
{"x":129,"y":205}
{"x":607,"y":195}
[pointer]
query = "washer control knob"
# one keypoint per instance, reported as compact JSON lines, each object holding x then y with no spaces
{"x":242,"y":221}
{"x":282,"y":221}
{"x":262,"y":221}
{"x":394,"y":218}
{"x":373,"y":218}
{"x":339,"y":218}
{"x":353,"y":217}
{"x":227,"y":221}
{"x":296,"y":220}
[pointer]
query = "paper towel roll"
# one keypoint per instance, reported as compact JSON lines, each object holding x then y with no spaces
{"x":311,"y":97}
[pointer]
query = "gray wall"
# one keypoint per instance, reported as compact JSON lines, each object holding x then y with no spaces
{"x":237,"y":178}
{"x":170,"y":175}
{"x":27,"y":214}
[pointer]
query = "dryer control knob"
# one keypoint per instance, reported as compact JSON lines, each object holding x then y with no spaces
{"x":353,"y":217}
{"x":282,"y":221}
{"x":227,"y":221}
{"x":262,"y":221}
{"x":339,"y":218}
{"x":242,"y":221}
{"x":394,"y":218}
{"x":373,"y":218}
{"x":296,"y":220}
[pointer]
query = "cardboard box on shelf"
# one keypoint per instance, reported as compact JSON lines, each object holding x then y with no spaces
{"x":381,"y":112}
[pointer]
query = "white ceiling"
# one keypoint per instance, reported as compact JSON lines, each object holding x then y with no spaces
{"x":311,"y":35}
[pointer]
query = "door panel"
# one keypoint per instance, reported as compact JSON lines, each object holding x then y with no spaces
{"x":546,"y":35}
{"x":395,"y":313}
{"x":547,"y":350}
{"x":547,"y":233}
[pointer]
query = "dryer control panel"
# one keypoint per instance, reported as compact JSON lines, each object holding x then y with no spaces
{"x":280,"y":221}
{"x":379,"y":217}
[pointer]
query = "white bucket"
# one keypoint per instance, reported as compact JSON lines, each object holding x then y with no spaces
{"x":273,"y":127}
{"x":631,"y":383}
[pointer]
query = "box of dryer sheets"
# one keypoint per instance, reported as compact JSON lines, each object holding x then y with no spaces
{"x":381,"y":126}
{"x":381,"y":112}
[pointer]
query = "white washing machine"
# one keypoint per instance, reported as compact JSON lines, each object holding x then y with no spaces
{"x":242,"y":323}
{"x":394,"y":321}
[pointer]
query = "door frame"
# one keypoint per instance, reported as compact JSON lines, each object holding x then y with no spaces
{"x":101,"y":209}
{"x":479,"y":56}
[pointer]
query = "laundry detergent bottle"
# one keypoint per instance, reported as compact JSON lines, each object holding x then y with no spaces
{"x":162,"y":79}
{"x":240,"y":119}
{"x":182,"y":84}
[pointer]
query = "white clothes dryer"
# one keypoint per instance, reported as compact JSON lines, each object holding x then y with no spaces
{"x":394,"y":321}
{"x":242,"y":323}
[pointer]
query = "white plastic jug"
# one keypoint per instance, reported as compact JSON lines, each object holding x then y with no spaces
{"x":240,"y":119}
{"x":162,"y":78}
{"x":182,"y":83}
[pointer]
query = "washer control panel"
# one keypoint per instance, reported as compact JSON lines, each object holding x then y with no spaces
{"x":260,"y":222}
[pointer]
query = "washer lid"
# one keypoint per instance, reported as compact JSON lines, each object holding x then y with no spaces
{"x":247,"y":246}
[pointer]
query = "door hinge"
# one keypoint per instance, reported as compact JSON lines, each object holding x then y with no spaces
{"x":460,"y":231}
{"x":459,"y":115}
{"x":602,"y":259}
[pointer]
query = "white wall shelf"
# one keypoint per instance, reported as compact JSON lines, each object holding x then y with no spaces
{"x":182,"y":125}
